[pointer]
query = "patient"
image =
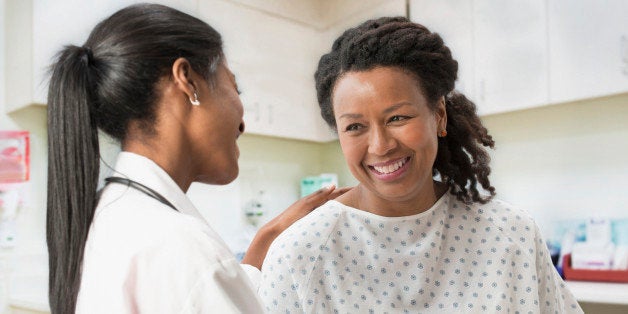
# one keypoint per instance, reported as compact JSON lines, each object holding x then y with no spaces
{"x":421,"y":232}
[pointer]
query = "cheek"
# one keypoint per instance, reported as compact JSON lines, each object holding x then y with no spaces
{"x":421,"y":136}
{"x":352,"y":149}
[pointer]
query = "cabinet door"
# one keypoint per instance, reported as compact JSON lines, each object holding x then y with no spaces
{"x":510,"y":55}
{"x":69,"y":22}
{"x":271,"y":58}
{"x":453,"y":21}
{"x":18,"y":54}
{"x":588,"y":48}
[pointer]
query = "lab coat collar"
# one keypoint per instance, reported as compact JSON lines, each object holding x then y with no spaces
{"x":145,"y":171}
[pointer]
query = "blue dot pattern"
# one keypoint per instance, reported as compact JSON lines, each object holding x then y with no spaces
{"x":451,"y":258}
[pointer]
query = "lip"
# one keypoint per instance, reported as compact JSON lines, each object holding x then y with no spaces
{"x":393,"y":175}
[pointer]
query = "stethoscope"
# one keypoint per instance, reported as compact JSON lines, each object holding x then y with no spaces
{"x":142,"y":188}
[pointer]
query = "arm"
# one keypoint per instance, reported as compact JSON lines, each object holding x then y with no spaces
{"x":261,"y":242}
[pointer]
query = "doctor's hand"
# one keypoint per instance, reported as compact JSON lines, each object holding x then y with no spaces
{"x":266,"y":235}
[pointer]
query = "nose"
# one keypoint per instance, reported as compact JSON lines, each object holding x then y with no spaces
{"x":241,"y":127}
{"x":381,"y":142}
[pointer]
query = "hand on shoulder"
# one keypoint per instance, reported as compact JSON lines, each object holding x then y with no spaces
{"x":265,"y":236}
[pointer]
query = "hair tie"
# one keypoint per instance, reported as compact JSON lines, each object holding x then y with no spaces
{"x":87,"y":56}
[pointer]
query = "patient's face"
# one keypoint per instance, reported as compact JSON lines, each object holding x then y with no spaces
{"x":387,"y":132}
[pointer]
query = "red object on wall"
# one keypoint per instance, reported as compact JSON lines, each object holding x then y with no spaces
{"x":14,"y":156}
{"x":592,"y":275}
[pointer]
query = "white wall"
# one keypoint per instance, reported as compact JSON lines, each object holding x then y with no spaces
{"x":31,"y":218}
{"x":563,"y":161}
{"x":272,"y":165}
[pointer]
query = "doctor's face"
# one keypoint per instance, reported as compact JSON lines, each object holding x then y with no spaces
{"x":216,"y":127}
{"x":387,"y":132}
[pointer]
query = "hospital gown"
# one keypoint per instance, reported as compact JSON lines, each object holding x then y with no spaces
{"x":451,"y":258}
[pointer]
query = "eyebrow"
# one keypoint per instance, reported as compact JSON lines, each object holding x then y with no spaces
{"x":395,"y":107}
{"x":386,"y":111}
{"x":350,"y":116}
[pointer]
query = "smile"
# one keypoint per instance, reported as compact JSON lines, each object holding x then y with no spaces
{"x":389,"y":168}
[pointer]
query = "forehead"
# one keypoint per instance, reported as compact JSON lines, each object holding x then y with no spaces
{"x":381,"y":86}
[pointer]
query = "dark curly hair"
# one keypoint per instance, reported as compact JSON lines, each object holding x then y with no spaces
{"x":461,"y":161}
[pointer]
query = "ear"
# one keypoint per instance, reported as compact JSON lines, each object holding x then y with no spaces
{"x":441,"y":115}
{"x":184,"y":77}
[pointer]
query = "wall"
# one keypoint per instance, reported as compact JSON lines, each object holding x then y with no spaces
{"x":563,"y":161}
{"x":31,"y":216}
{"x":272,"y":165}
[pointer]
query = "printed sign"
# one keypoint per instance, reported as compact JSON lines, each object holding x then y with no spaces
{"x":14,"y":156}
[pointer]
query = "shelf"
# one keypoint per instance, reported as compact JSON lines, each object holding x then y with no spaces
{"x":599,"y":292}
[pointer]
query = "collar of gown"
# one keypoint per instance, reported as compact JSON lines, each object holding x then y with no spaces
{"x":147,"y":172}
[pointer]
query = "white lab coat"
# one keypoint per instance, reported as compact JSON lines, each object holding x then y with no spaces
{"x":142,"y":256}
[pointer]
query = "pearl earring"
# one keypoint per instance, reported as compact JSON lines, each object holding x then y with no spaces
{"x":195,"y":102}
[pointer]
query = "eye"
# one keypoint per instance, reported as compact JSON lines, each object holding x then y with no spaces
{"x":398,"y":118}
{"x":353,"y":127}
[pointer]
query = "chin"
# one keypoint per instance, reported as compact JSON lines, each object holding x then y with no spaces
{"x":223,"y":178}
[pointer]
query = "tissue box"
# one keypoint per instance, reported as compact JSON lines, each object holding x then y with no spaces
{"x":593,"y":275}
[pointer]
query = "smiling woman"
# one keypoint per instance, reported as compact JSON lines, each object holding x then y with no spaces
{"x":417,"y":234}
{"x":388,"y":135}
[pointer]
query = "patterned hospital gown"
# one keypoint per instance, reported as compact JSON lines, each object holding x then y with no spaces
{"x":453,"y":258}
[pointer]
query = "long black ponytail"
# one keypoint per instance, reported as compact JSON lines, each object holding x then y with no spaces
{"x":73,"y":165}
{"x":108,"y":82}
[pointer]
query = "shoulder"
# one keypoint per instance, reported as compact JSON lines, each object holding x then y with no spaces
{"x":316,"y":226}
{"x":306,"y":236}
{"x":497,"y":222}
{"x":141,"y":225}
{"x":501,"y":215}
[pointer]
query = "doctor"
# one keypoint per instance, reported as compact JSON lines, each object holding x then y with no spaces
{"x":157,"y":80}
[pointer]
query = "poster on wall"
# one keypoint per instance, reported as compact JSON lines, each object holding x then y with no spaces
{"x":14,"y":156}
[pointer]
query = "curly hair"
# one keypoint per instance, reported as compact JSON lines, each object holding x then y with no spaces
{"x":461,"y":161}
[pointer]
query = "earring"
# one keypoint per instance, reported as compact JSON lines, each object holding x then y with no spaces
{"x":195,"y":102}
{"x":442,"y":133}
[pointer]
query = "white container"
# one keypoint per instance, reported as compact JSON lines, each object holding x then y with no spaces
{"x":592,"y":256}
{"x":598,"y":231}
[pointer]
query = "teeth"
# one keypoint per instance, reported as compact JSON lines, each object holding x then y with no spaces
{"x":390,"y":168}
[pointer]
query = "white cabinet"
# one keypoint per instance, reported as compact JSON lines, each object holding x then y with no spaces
{"x":588,"y":48}
{"x":453,"y":21}
{"x":273,"y":60}
{"x":510,"y":55}
{"x":38,"y":29}
{"x":500,"y":46}
{"x":521,"y":54}
{"x":18,"y":50}
{"x":2,"y":67}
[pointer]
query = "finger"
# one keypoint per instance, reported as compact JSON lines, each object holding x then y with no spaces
{"x":338,"y":192}
{"x":322,"y":193}
{"x":319,"y":197}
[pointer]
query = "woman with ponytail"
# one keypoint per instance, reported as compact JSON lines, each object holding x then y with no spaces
{"x":421,"y":232}
{"x":157,"y":80}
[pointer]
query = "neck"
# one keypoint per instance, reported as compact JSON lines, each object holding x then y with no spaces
{"x":173,"y":161}
{"x":366,"y":200}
